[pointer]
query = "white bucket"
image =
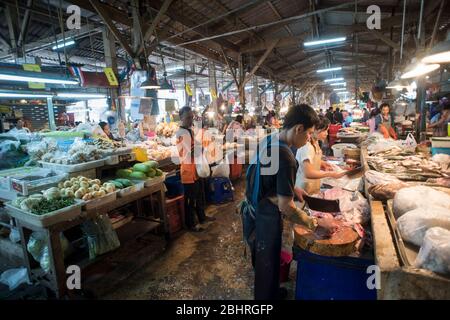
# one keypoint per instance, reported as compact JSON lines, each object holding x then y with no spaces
{"x":338,"y":149}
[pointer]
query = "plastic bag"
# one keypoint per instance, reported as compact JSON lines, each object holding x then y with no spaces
{"x":37,"y":246}
{"x":202,"y":166}
{"x":434,"y":254}
{"x":14,"y":277}
{"x":408,"y":199}
{"x":14,"y":235}
{"x":409,"y":143}
{"x":100,"y":235}
{"x":414,"y":224}
{"x":222,"y":170}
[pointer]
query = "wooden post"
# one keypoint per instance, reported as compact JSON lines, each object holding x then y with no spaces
{"x":241,"y":81}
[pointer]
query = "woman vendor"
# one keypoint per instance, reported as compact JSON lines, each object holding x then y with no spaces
{"x":384,"y":122}
{"x":311,"y":167}
{"x":270,"y":194}
{"x":106,"y":130}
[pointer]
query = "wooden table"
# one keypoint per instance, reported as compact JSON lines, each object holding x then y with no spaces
{"x":55,"y":280}
{"x":399,"y":280}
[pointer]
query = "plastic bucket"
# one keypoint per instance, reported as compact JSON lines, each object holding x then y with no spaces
{"x":332,"y":278}
{"x":338,"y":149}
{"x":285,"y":265}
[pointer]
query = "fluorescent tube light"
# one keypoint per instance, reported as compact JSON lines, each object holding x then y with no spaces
{"x":70,"y":95}
{"x":329,"y":69}
{"x":62,"y":44}
{"x":24,"y":95}
{"x":338,"y":84}
{"x":324,"y":41}
{"x":334,"y":79}
{"x":21,"y":78}
{"x":339,"y":89}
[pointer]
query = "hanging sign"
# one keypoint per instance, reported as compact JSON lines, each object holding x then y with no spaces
{"x":111,"y":76}
{"x":34,"y":68}
{"x":188,"y":90}
{"x":213,"y":93}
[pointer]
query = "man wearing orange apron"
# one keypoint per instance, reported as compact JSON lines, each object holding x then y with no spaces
{"x":189,"y":178}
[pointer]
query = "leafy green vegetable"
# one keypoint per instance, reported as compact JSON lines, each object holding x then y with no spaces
{"x":45,"y":206}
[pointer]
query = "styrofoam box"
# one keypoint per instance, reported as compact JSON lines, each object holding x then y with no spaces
{"x":25,"y":187}
{"x":48,"y":219}
{"x":73,"y":167}
{"x":112,"y":160}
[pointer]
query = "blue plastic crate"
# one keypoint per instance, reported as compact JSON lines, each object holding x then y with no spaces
{"x":440,"y":150}
{"x":174,"y":186}
{"x":332,"y":278}
{"x":220,"y":190}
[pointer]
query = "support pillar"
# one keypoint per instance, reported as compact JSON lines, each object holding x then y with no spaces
{"x":51,"y":115}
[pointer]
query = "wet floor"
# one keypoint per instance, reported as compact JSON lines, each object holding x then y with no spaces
{"x":206,"y":265}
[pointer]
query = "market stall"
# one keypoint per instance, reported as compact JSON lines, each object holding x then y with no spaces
{"x":409,"y":200}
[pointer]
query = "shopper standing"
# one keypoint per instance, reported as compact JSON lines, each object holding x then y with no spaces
{"x":338,"y":117}
{"x":270,"y":196}
{"x":193,"y":201}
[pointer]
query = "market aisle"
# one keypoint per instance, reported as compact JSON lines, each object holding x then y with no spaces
{"x":206,"y":265}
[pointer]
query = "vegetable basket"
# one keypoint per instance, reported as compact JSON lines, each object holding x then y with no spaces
{"x":48,"y":219}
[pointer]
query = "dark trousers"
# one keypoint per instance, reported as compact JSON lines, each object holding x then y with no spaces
{"x":193,"y":203}
{"x":269,"y":228}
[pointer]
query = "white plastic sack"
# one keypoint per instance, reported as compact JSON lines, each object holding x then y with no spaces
{"x":222,"y":170}
{"x":408,"y":199}
{"x":14,"y":278}
{"x":414,"y":224}
{"x":202,"y":166}
{"x":442,"y":159}
{"x":409,"y":143}
{"x":434,"y":254}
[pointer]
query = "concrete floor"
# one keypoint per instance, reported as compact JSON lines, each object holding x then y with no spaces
{"x":206,"y":265}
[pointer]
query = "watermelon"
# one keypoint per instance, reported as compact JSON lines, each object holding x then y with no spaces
{"x":125,"y":182}
{"x":159,"y":173}
{"x":138,"y":175}
{"x":140,"y":167}
{"x":123,"y":173}
{"x":117,"y":184}
{"x":151,"y":173}
{"x":151,"y":164}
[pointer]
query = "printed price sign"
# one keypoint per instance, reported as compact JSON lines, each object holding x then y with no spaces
{"x":111,"y":76}
{"x":34,"y":68}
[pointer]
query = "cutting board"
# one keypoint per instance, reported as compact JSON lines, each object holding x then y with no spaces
{"x":341,"y":243}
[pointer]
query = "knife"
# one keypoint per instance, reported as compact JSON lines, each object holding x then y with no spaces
{"x":322,"y":205}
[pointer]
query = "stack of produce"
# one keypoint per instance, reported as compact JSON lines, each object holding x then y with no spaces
{"x":106,"y":144}
{"x":121,"y":183}
{"x":40,"y":204}
{"x":166,"y":129}
{"x":79,"y":152}
{"x":83,"y":188}
{"x":141,"y":171}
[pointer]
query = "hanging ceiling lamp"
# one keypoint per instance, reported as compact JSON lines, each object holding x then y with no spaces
{"x":440,"y":53}
{"x":166,"y":84}
{"x":151,"y":82}
{"x":398,"y":84}
{"x":419,"y":69}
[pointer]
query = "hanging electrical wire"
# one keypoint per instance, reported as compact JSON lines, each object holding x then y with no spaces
{"x":54,"y":34}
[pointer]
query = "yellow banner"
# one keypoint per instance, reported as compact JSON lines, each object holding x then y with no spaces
{"x":5,"y":109}
{"x":188,"y":90}
{"x":111,"y":76}
{"x":213,"y":93}
{"x":34,"y":68}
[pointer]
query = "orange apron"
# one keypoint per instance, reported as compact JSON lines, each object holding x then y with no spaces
{"x":188,"y":170}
